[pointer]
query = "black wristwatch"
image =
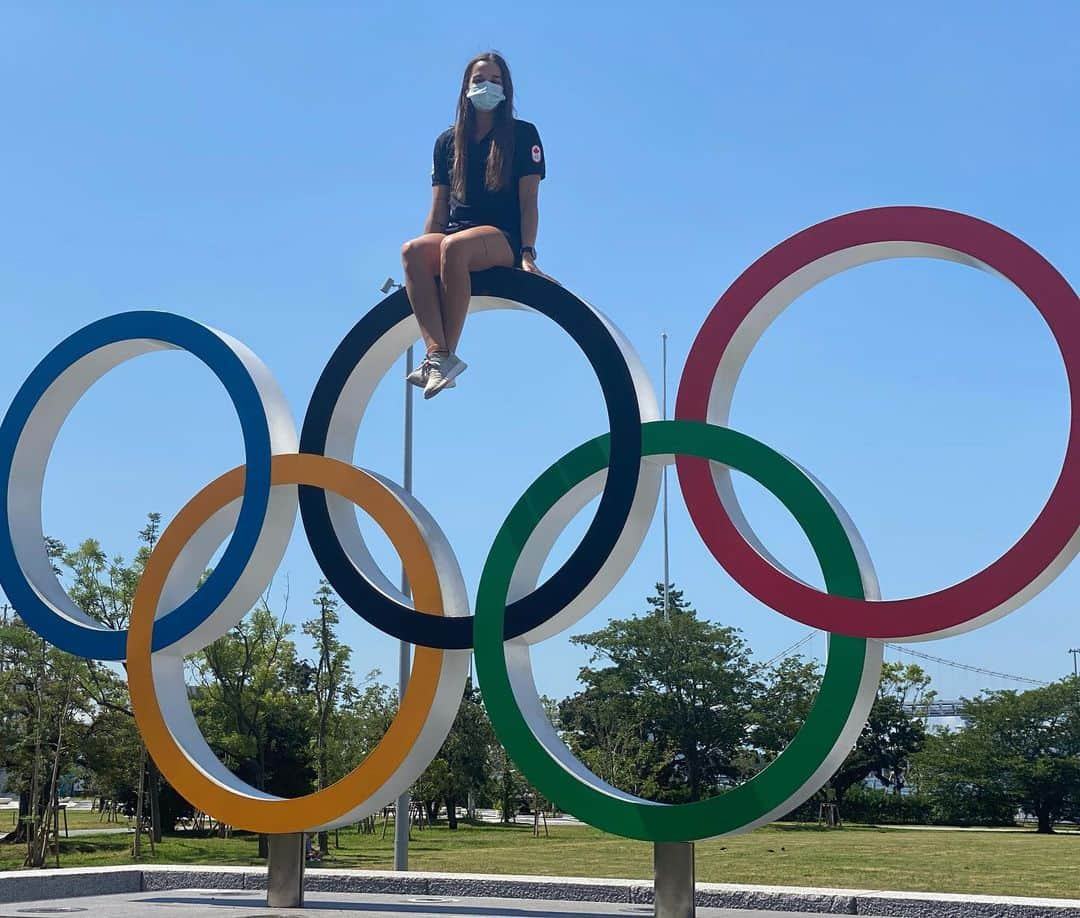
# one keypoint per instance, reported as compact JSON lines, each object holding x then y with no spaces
{"x":527,"y":250}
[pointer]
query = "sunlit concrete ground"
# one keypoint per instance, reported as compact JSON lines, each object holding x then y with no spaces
{"x":240,"y":904}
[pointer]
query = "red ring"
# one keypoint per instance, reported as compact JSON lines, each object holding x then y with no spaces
{"x":1025,"y":568}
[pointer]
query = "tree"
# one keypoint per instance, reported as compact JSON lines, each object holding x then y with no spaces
{"x":110,"y":751}
{"x":891,"y":736}
{"x":886,"y":744}
{"x":1018,"y":750}
{"x":783,"y":704}
{"x":251,"y":698}
{"x":361,"y":721}
{"x":958,"y":774}
{"x":431,"y":787}
{"x":104,"y":589}
{"x":331,"y":679}
{"x":602,"y":727}
{"x":42,"y":710}
{"x":463,"y":765}
{"x":508,"y":787}
{"x":672,"y":704}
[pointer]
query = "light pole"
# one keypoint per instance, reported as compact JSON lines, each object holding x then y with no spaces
{"x":673,"y":862}
{"x":663,"y":386}
{"x":1074,"y":651}
{"x":401,"y":809}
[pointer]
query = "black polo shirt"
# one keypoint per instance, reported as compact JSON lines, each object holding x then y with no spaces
{"x":480,"y":206}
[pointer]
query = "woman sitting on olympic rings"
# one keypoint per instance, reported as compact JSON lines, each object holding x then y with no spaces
{"x":485,"y":175}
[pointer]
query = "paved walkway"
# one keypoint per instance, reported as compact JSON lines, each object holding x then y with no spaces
{"x":104,"y":830}
{"x":1029,"y":830}
{"x":240,"y":904}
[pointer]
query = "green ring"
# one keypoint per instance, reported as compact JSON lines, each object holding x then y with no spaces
{"x":847,"y":688}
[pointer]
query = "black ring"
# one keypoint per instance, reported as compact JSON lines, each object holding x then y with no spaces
{"x":589,"y":332}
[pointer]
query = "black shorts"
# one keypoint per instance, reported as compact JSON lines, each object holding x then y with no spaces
{"x":515,"y":244}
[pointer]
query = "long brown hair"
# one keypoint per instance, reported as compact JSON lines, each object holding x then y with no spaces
{"x":502,"y":146}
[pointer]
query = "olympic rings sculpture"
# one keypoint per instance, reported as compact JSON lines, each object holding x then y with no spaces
{"x":254,"y":508}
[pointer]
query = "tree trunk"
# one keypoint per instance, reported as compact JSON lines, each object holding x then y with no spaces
{"x":136,"y":845}
{"x":260,"y":783}
{"x":324,"y":837}
{"x":1046,"y":824}
{"x":325,"y":703}
{"x":54,"y":803}
{"x":451,"y":812}
{"x":507,"y":801}
{"x":31,"y":833}
{"x":155,"y":802}
{"x":18,"y":834}
{"x":40,"y":843}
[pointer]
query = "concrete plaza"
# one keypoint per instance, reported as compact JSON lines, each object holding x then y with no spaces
{"x":252,"y":904}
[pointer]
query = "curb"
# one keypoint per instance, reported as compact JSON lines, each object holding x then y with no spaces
{"x":20,"y":886}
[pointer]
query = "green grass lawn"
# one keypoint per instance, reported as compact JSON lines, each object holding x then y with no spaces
{"x":1018,"y":863}
{"x":83,"y":819}
{"x":76,"y":819}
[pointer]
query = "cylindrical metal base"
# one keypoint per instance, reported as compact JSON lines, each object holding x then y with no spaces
{"x":285,"y":871}
{"x":673,"y":884}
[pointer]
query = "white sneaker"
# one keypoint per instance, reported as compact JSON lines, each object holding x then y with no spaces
{"x":442,"y":368}
{"x":419,"y":376}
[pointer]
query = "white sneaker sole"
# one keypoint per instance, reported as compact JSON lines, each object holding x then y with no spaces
{"x":420,"y":384}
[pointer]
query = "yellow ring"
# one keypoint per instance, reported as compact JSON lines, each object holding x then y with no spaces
{"x":317,"y":809}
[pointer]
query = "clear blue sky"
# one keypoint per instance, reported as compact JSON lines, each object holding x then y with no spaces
{"x":257,"y":166}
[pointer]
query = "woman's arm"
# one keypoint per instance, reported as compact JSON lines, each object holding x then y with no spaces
{"x":528,"y":193}
{"x":440,"y":209}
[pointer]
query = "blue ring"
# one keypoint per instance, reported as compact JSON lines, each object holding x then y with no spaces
{"x":205,"y":344}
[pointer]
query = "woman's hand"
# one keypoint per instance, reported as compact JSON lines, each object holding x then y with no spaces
{"x":529,"y":264}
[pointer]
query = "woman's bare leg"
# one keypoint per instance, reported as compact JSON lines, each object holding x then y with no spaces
{"x":420,"y":257}
{"x":468,"y":250}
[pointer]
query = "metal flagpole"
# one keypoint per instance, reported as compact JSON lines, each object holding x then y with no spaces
{"x":404,"y":658}
{"x":663,"y":374}
{"x":673,"y":862}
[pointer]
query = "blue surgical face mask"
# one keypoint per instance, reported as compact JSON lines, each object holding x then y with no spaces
{"x":485,"y":96}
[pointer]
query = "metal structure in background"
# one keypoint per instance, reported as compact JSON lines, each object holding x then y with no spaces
{"x":1074,"y":651}
{"x":949,"y":707}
